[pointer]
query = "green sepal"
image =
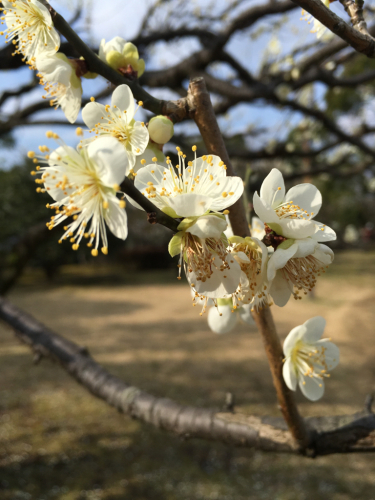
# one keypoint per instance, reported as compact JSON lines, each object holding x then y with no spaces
{"x":186,"y":223}
{"x":286,"y":244}
{"x":235,"y":239}
{"x":174,"y":246}
{"x":276,"y":228}
{"x":169,"y":211}
{"x":225,"y":302}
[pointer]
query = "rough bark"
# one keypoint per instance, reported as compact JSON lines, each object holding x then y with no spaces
{"x":336,"y":434}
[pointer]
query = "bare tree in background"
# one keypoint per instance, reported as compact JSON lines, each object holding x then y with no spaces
{"x":318,"y":96}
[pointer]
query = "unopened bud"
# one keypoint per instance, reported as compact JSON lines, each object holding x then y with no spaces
{"x":160,"y":129}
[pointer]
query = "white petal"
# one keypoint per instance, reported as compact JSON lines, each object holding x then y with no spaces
{"x":123,"y":99}
{"x":139,"y":138}
{"x":289,"y":374}
{"x":110,"y":158}
{"x":280,"y":290}
{"x":189,"y":204}
{"x":307,"y":197}
{"x":278,"y":260}
{"x":224,"y":323}
{"x":221,"y":283}
{"x":92,"y":114}
{"x":332,"y":355}
{"x":314,"y":329}
{"x":306,"y":247}
{"x":54,"y":69}
{"x":312,"y":388}
{"x":71,"y":104}
{"x":208,"y":226}
{"x":245,"y":314}
{"x":292,"y":338}
{"x":263,"y":210}
{"x":257,"y":228}
{"x":296,"y":228}
{"x":116,"y":219}
{"x":117,"y":43}
{"x":323,"y":233}
{"x":324,"y":254}
{"x":102,"y":50}
{"x":232,"y":186}
{"x":272,"y":191}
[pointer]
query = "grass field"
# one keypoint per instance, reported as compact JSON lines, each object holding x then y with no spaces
{"x":59,"y":442}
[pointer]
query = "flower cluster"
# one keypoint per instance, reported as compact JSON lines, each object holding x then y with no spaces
{"x":321,"y":31}
{"x":286,"y":252}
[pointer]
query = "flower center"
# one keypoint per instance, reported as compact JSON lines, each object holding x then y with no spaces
{"x":199,"y":255}
{"x":302,"y":273}
{"x":310,"y":360}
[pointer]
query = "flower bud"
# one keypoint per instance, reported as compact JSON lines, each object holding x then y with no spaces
{"x":160,"y":129}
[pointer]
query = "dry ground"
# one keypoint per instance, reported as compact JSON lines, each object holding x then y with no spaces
{"x":59,"y":442}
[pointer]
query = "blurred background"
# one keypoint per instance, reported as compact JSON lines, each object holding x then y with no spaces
{"x":284,"y":99}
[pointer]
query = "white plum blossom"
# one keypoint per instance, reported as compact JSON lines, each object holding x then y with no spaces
{"x":321,"y":31}
{"x":308,"y":358}
{"x":299,"y":255}
{"x":30,"y":24}
{"x":197,"y":194}
{"x":84,"y":183}
{"x":118,"y":121}
{"x":122,"y":56}
{"x":58,"y":75}
{"x":223,"y":318}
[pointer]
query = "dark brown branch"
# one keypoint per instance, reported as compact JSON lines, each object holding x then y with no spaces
{"x":205,"y":118}
{"x":338,"y":434}
{"x":355,"y":11}
{"x":157,"y":215}
{"x":362,"y":43}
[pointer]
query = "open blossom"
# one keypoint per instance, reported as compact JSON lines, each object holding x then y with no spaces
{"x":122,"y":56}
{"x":197,"y":194}
{"x":299,"y":255}
{"x":308,"y":358}
{"x":321,"y":31}
{"x":252,"y":256}
{"x":223,"y":318}
{"x":58,"y":75}
{"x":30,"y":24}
{"x":84,"y":184}
{"x":118,"y":121}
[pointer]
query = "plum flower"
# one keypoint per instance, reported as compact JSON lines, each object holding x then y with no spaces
{"x":83,"y":184}
{"x":197,"y":194}
{"x":117,"y":121}
{"x":122,"y":56}
{"x":252,"y":255}
{"x":298,"y":257}
{"x":319,"y":28}
{"x":30,"y":24}
{"x":58,"y":75}
{"x":223,"y":318}
{"x":308,"y":358}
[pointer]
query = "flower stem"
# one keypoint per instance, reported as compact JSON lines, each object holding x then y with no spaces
{"x":204,"y":117}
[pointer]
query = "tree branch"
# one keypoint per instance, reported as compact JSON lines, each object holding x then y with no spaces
{"x":205,"y":118}
{"x":337,"y":434}
{"x":360,"y":42}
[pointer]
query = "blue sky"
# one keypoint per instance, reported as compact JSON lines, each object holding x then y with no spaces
{"x":106,"y":22}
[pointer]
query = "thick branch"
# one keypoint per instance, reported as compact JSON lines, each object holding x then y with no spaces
{"x":338,"y":434}
{"x":205,"y":119}
{"x":360,"y":42}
